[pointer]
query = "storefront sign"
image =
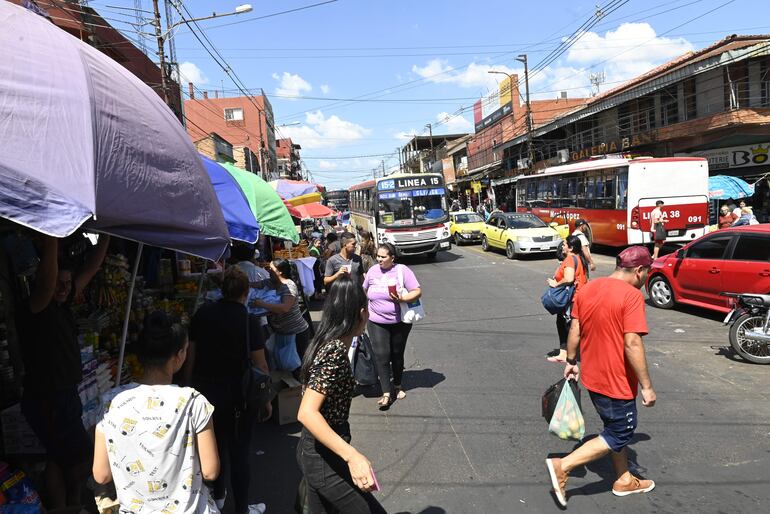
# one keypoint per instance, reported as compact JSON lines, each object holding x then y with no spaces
{"x":612,"y":146}
{"x":494,"y":106}
{"x":476,"y":186}
{"x":734,"y":157}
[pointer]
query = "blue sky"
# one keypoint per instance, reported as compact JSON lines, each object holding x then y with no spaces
{"x":425,"y":61}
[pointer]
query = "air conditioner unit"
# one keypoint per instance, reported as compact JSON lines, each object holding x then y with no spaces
{"x":562,"y":155}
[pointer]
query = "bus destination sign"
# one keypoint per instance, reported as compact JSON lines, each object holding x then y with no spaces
{"x":408,"y":182}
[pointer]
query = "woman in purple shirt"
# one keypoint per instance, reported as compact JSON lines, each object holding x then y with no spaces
{"x":388,"y":285}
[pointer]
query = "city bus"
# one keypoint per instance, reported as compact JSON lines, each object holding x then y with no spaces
{"x":339,"y":200}
{"x":616,"y":195}
{"x":407,"y":210}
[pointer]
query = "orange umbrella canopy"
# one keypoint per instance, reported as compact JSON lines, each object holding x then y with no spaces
{"x":314,"y":210}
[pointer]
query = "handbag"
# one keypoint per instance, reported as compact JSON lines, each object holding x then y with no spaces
{"x":551,"y":397}
{"x":660,"y":232}
{"x":363,"y":362}
{"x":411,"y":312}
{"x":556,"y":299}
{"x":256,"y":386}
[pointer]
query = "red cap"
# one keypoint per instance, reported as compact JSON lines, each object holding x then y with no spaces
{"x":634,"y":256}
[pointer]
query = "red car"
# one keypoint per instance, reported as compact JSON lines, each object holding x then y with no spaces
{"x":735,"y":259}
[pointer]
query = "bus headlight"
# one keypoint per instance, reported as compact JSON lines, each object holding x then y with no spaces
{"x":445,"y":234}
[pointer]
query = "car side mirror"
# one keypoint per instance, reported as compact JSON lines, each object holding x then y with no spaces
{"x":680,"y":254}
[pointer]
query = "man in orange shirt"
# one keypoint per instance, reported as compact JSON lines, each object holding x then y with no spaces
{"x":608,"y":323}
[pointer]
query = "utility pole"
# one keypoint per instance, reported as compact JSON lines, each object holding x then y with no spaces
{"x":530,"y":152}
{"x":400,"y":164}
{"x":161,"y":51}
{"x":383,"y":168}
{"x":432,"y":155}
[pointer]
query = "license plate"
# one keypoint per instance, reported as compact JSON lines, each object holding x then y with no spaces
{"x":674,"y":233}
{"x":727,"y":318}
{"x":545,"y":248}
{"x":445,"y":244}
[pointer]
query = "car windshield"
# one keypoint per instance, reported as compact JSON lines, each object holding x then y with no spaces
{"x":468,"y":218}
{"x":411,"y":210}
{"x":524,"y":221}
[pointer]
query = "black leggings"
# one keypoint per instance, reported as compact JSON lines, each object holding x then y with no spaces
{"x":389,"y":343}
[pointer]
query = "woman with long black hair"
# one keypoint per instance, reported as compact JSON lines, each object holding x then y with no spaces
{"x":338,"y":477}
{"x":572,"y":270}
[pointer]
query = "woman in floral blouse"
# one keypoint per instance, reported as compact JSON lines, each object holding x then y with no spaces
{"x":338,"y":477}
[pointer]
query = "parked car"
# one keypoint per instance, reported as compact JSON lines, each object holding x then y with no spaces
{"x":519,"y":233}
{"x":465,"y":227}
{"x":735,"y":260}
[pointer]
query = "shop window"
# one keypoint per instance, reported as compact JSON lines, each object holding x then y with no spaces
{"x":669,"y":106}
{"x":690,"y":100}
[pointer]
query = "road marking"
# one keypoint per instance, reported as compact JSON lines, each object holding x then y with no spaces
{"x":451,"y":425}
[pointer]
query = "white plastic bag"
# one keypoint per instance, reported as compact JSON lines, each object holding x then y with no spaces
{"x":411,"y":312}
{"x":567,"y":421}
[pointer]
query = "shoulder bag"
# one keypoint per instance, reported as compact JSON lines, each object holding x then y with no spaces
{"x":411,"y":312}
{"x":256,"y":386}
{"x":660,"y":232}
{"x":363,"y":362}
{"x":556,"y":299}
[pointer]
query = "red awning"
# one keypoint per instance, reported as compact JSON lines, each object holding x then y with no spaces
{"x":314,"y":210}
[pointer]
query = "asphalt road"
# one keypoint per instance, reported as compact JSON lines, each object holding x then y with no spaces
{"x":469,"y":436}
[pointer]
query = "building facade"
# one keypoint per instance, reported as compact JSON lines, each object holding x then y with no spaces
{"x":289,"y":160}
{"x":245,"y":122}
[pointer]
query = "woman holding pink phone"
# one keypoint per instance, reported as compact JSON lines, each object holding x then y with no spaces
{"x":339,"y":478}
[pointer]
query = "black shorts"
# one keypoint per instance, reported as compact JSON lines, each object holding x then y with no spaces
{"x":56,"y":420}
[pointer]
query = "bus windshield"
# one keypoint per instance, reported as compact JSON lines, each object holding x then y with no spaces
{"x":403,"y":208}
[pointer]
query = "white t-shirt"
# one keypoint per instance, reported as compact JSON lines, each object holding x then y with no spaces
{"x":150,"y":434}
{"x":583,"y":239}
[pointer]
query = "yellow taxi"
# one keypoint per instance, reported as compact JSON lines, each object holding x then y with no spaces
{"x":465,"y":227}
{"x":519,"y":234}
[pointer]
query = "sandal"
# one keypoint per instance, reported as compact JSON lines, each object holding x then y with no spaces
{"x":400,"y":393}
{"x":385,"y":401}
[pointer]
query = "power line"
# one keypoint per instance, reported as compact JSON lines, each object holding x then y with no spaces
{"x":280,"y":13}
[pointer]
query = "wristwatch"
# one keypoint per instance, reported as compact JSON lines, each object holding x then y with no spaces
{"x":571,"y":362}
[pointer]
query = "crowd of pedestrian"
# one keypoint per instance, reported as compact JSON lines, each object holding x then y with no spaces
{"x":192,"y":400}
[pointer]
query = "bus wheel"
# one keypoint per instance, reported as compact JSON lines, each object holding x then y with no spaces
{"x":510,"y":250}
{"x":484,"y":243}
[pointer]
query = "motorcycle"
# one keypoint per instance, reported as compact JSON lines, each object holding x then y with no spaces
{"x":749,"y":322}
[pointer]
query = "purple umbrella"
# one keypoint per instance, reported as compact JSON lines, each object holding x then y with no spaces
{"x":86,"y":144}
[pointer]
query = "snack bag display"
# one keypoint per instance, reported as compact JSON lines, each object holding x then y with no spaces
{"x":567,"y":421}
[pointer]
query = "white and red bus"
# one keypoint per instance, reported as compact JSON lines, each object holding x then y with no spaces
{"x":616,"y":195}
{"x":408,"y":210}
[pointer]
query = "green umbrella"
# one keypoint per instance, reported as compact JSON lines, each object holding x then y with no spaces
{"x":270,"y":211}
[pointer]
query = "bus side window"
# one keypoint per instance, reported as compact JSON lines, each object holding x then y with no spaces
{"x":580,"y":192}
{"x":622,"y":194}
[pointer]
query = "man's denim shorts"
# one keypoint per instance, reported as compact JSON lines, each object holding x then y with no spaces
{"x":619,"y":417}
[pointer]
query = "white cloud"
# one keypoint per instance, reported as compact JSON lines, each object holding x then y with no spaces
{"x":451,"y":124}
{"x":405,"y":135}
{"x":318,"y":131}
{"x":290,"y":84}
{"x":325,"y":89}
{"x":190,"y":72}
{"x":327,"y":165}
{"x":615,"y":52}
{"x":474,"y":75}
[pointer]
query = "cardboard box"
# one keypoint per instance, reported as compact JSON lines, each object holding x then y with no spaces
{"x":288,"y":397}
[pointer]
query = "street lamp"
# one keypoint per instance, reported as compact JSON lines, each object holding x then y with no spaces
{"x":162,"y":36}
{"x":530,"y":154}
